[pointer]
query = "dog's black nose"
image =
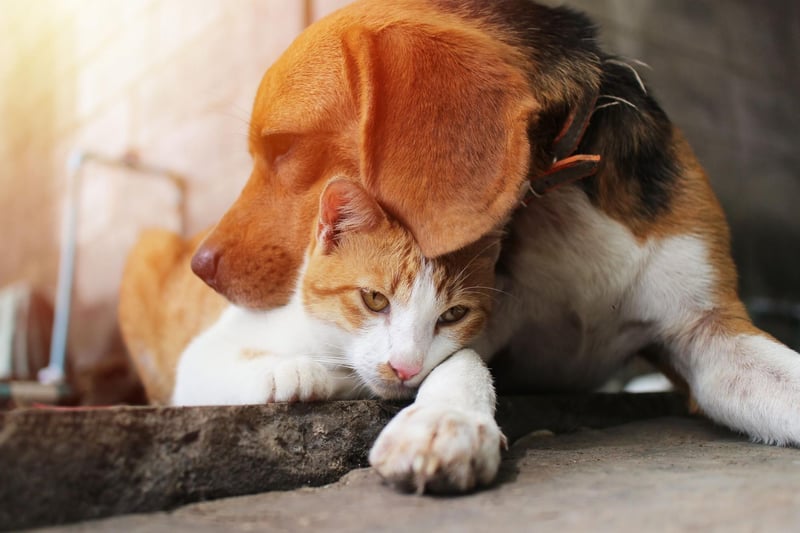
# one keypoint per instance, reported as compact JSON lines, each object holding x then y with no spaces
{"x":204,"y":265}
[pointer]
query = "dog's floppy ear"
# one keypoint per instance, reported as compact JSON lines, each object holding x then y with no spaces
{"x":443,"y":124}
{"x":345,"y":207}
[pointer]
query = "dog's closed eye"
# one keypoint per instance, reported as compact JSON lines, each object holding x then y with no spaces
{"x":277,"y":146}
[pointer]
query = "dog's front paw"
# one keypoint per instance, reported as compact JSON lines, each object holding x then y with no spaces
{"x":298,"y":379}
{"x":438,"y":449}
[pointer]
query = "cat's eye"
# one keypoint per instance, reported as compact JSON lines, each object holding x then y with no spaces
{"x":375,"y":301}
{"x":452,"y":315}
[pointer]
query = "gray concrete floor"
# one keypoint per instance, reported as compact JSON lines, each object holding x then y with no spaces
{"x":664,"y":474}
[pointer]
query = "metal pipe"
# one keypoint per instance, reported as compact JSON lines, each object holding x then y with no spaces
{"x":56,"y":370}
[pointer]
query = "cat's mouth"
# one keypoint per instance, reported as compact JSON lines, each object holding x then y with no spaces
{"x":392,"y":390}
{"x":388,"y":385}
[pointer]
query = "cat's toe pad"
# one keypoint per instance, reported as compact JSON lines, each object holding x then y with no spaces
{"x":299,"y":379}
{"x":438,"y":449}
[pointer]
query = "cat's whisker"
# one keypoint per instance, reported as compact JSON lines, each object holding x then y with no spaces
{"x":497,"y":293}
{"x":464,"y":272}
{"x":342,"y":378}
{"x":364,"y":391}
{"x":333,"y":361}
{"x":494,"y":298}
{"x":495,"y":289}
{"x":334,"y":350}
{"x":334,"y":347}
{"x":360,"y":390}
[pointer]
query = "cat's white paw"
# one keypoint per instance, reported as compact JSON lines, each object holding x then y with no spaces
{"x":298,"y":379}
{"x":438,"y":449}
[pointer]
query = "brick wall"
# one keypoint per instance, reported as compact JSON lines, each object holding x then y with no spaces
{"x":174,"y":80}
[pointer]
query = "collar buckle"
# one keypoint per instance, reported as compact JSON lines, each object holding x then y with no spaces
{"x":567,"y":166}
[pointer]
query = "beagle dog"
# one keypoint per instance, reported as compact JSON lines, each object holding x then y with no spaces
{"x":459,"y":117}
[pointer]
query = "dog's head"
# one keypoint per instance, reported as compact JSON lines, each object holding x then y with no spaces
{"x":428,"y":107}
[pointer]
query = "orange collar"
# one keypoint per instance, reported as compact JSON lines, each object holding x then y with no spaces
{"x":567,"y":166}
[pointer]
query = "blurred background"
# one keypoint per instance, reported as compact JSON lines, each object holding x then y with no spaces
{"x":171,"y":82}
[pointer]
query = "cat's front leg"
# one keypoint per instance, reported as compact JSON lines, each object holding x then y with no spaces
{"x":447,"y":440}
{"x":249,"y":376}
{"x":231,"y":364}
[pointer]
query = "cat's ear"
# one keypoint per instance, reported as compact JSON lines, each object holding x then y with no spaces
{"x":345,"y":207}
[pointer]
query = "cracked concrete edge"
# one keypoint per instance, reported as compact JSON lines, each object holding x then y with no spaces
{"x":66,"y":466}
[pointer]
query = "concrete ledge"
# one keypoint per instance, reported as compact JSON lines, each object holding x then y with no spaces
{"x":666,"y":474}
{"x":64,"y":466}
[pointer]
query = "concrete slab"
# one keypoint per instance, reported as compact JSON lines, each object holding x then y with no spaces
{"x":65,"y":466}
{"x":666,"y":474}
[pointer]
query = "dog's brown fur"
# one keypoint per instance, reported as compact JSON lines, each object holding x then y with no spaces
{"x":162,"y":306}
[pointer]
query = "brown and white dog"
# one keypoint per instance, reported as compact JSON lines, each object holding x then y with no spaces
{"x":451,"y":113}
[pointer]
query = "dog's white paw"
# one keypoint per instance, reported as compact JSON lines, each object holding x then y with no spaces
{"x":438,"y":449}
{"x":298,"y":379}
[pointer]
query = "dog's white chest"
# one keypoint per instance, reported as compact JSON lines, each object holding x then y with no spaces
{"x":581,"y":294}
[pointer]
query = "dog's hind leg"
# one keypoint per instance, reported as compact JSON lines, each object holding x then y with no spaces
{"x":741,"y":377}
{"x":738,"y":375}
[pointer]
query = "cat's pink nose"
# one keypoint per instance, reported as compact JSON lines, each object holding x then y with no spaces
{"x":405,"y":371}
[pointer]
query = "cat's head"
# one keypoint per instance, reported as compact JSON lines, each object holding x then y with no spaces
{"x":404,"y":313}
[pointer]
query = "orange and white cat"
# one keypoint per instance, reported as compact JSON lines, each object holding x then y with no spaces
{"x":370,"y":316}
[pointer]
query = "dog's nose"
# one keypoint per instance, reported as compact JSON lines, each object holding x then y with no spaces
{"x":204,"y":265}
{"x":405,"y":371}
